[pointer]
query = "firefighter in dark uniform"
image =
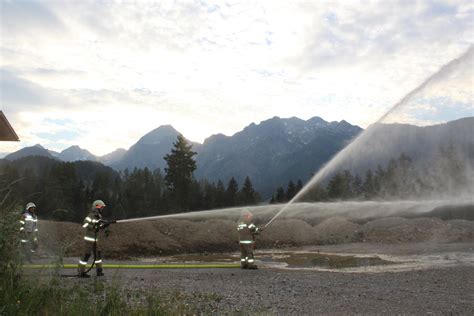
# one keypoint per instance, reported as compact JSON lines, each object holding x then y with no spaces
{"x":93,"y":224}
{"x":247,"y":232}
{"x":29,"y":230}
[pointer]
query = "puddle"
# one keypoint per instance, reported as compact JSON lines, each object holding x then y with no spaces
{"x":292,"y":260}
{"x":335,"y":262}
{"x":208,"y":258}
{"x":330,"y":261}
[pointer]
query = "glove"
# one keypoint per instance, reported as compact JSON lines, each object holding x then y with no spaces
{"x":100,"y":225}
{"x":103,"y":224}
{"x":257,"y":231}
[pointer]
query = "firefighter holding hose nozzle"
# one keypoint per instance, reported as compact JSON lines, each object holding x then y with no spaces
{"x":93,"y":224}
{"x":247,"y":232}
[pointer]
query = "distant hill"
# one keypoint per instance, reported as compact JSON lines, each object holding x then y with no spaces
{"x":113,"y":157}
{"x":382,"y":142}
{"x":75,"y":153}
{"x":36,"y":150}
{"x":281,"y":149}
{"x":150,"y":150}
{"x":40,"y":166}
{"x":273,"y":152}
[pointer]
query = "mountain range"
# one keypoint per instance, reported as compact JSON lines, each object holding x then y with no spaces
{"x":274,"y":151}
{"x":270,"y":153}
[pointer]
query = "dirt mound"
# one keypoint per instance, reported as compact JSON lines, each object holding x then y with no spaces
{"x":395,"y":229}
{"x":174,"y":236}
{"x":459,"y":231}
{"x":290,"y":232}
{"x":211,"y":235}
{"x":336,"y":230}
{"x":130,"y":239}
{"x":59,"y":237}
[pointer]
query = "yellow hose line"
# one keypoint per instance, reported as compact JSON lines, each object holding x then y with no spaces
{"x":138,"y":266}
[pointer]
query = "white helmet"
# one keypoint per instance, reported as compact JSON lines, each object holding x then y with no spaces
{"x":30,"y":205}
{"x":247,"y":215}
{"x":98,"y":205}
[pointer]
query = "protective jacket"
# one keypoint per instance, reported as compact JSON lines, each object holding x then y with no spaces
{"x":247,"y":232}
{"x":92,"y":224}
{"x":29,"y":227}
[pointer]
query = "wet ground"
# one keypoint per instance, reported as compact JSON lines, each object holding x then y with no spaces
{"x":348,"y":258}
{"x":418,"y":278}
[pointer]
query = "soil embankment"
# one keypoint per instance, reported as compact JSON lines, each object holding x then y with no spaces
{"x":174,"y":236}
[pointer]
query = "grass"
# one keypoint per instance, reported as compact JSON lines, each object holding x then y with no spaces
{"x":46,"y":293}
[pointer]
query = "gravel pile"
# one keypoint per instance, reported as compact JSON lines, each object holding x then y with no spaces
{"x":174,"y":236}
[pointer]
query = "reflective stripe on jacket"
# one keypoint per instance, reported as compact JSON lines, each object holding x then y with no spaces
{"x":91,"y":223}
{"x":28,"y":227}
{"x":247,"y":231}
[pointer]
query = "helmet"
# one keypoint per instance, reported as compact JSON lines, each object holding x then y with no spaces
{"x":30,"y":205}
{"x":247,"y":215}
{"x":98,"y":204}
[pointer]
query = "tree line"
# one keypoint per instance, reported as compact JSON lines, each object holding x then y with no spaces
{"x":445,"y":173}
{"x":64,"y":190}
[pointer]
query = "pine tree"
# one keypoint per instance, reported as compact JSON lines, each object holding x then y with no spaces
{"x":231,"y":192}
{"x":316,"y":193}
{"x":248,"y":196}
{"x":220,"y":195}
{"x":299,"y":185}
{"x":280,"y":195}
{"x":209,"y":198}
{"x":290,"y":191}
{"x":341,"y":186}
{"x":369,"y":186}
{"x":179,"y":173}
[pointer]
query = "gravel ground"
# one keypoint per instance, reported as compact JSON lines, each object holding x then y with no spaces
{"x":432,"y":291}
{"x":433,"y":274}
{"x":445,"y":286}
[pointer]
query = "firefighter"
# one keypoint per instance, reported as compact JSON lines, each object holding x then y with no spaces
{"x":247,"y":232}
{"x":93,"y":224}
{"x":29,"y":231}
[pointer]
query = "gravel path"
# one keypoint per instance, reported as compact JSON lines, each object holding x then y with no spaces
{"x":445,"y":286}
{"x":433,"y":291}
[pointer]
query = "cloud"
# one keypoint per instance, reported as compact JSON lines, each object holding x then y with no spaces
{"x":211,"y":67}
{"x":17,"y":93}
{"x":28,"y":18}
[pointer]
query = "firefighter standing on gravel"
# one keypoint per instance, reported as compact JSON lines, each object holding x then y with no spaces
{"x":93,"y":224}
{"x":29,"y":230}
{"x":247,"y":232}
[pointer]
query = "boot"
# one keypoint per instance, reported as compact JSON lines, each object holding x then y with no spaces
{"x":83,"y":275}
{"x":100,"y":272}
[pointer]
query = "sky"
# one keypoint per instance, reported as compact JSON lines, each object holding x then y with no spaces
{"x":101,"y":74}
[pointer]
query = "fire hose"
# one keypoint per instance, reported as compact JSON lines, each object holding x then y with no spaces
{"x":104,"y":224}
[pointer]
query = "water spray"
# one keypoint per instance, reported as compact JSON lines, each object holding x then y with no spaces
{"x":144,"y":218}
{"x":330,"y":166}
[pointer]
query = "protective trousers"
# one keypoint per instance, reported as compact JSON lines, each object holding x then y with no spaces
{"x":246,"y":255}
{"x":88,"y":251}
{"x":28,"y":247}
